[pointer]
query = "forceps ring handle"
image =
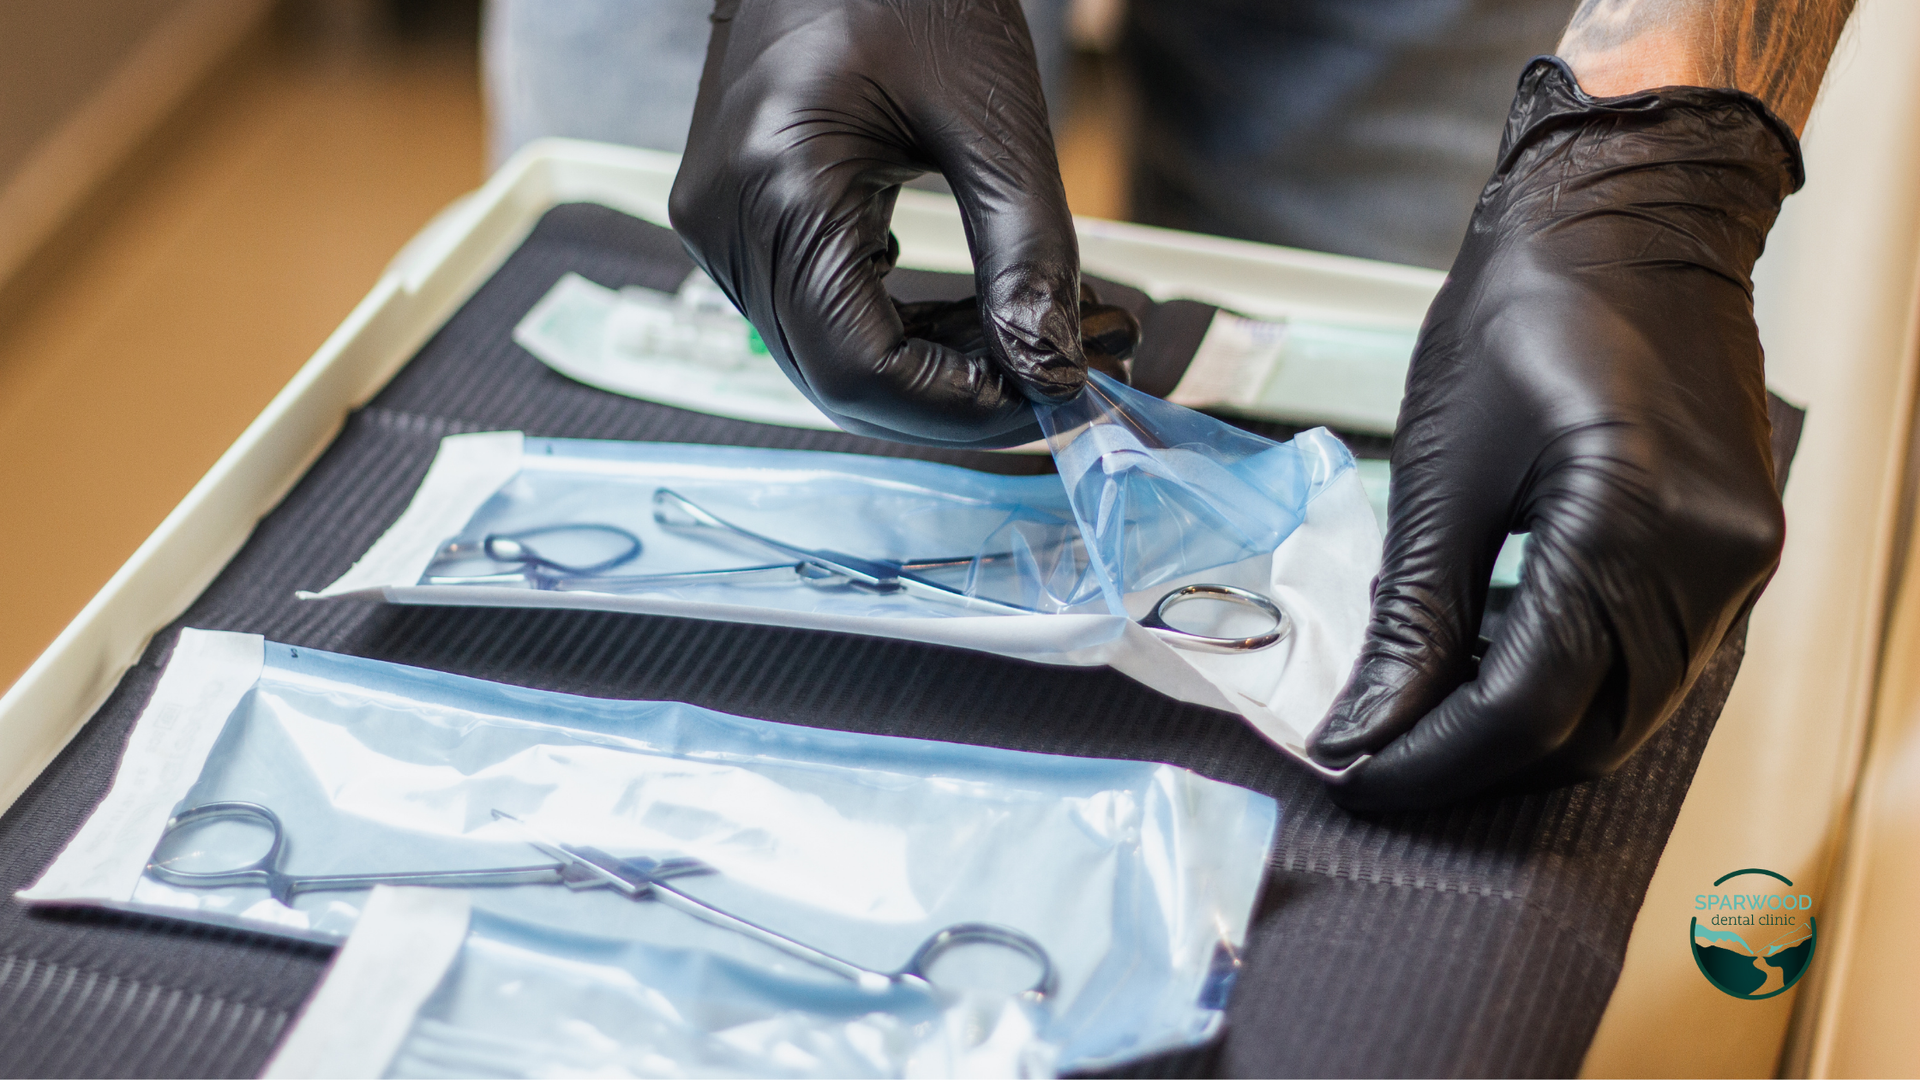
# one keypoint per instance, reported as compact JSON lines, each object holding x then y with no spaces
{"x":1156,"y":619}
{"x":514,"y":548}
{"x":261,"y":871}
{"x":983,"y":934}
{"x":265,"y":871}
{"x":916,"y":969}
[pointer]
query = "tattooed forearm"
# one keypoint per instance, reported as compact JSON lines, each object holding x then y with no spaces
{"x":1776,"y":50}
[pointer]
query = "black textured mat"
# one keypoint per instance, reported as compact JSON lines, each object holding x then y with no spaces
{"x":1482,"y":939}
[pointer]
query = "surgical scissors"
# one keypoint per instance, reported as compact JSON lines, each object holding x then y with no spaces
{"x":815,"y":566}
{"x":580,"y":867}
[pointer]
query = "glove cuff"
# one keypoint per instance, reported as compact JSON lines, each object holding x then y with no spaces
{"x":1711,"y":167}
{"x":1550,"y":101}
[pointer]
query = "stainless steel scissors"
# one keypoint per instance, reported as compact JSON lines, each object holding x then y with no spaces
{"x":818,"y":566}
{"x":580,"y":867}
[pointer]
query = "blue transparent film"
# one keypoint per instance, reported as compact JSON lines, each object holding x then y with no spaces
{"x":1148,"y":492}
{"x":1135,"y":878}
{"x":1159,"y":491}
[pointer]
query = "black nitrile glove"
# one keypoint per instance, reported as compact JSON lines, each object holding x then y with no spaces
{"x":1590,"y":373}
{"x":1108,"y":334}
{"x":811,"y":114}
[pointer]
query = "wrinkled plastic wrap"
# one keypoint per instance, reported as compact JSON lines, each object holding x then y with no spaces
{"x":1159,"y":491}
{"x":1136,"y":879}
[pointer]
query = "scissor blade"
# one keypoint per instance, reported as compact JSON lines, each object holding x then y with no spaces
{"x":882,"y":574}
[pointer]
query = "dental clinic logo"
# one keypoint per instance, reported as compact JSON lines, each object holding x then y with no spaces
{"x":1752,"y":935}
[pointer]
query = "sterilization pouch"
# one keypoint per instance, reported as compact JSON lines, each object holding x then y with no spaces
{"x":689,"y":349}
{"x":1159,"y":505}
{"x":693,"y":350}
{"x":269,"y":787}
{"x":425,"y":988}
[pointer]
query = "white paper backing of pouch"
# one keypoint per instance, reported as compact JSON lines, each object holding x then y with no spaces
{"x":1320,"y":575}
{"x":1300,"y":371}
{"x":406,"y":944}
{"x":204,"y":681}
{"x":576,"y":330}
{"x":395,"y":958}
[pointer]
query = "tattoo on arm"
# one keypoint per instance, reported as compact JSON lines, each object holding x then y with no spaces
{"x":1776,"y":50}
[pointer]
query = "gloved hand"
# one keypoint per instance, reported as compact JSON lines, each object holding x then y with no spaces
{"x":1591,"y":373}
{"x":811,"y":113}
{"x":1108,"y":334}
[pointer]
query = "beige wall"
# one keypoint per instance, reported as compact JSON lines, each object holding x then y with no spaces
{"x":225,"y":256}
{"x":1863,"y":1022}
{"x":55,"y":55}
{"x":85,"y":82}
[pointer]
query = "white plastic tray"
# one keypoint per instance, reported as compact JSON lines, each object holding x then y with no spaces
{"x":445,"y":263}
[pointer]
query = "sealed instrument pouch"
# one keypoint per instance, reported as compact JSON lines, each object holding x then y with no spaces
{"x":1211,"y":564}
{"x":724,"y":871}
{"x":425,"y":987}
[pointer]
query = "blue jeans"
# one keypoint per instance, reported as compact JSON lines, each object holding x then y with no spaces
{"x":626,"y":71}
{"x":1362,"y":127}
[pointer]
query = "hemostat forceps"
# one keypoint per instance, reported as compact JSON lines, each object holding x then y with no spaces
{"x":875,"y":575}
{"x":817,"y":566}
{"x":534,"y":567}
{"x":265,"y":872}
{"x":580,"y":867}
{"x":887,"y":576}
{"x":651,"y":886}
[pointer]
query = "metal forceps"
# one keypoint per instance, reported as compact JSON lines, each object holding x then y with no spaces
{"x":886,"y":576}
{"x":672,"y":510}
{"x":580,"y":867}
{"x":822,"y":567}
{"x":534,"y":566}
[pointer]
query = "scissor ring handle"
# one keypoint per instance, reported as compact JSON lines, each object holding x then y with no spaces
{"x":513,"y":548}
{"x":261,"y":869}
{"x":1187,"y":639}
{"x":1005,"y":937}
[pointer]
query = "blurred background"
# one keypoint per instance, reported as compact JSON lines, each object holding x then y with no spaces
{"x":194,"y":193}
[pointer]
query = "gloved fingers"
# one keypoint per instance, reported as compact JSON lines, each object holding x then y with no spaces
{"x":784,"y":197}
{"x":953,"y":323}
{"x":1108,"y":334}
{"x":1539,"y":682}
{"x":844,"y":335}
{"x":998,"y":157}
{"x":1426,"y":612}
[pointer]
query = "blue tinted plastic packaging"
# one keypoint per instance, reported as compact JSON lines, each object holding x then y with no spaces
{"x":1137,"y":879}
